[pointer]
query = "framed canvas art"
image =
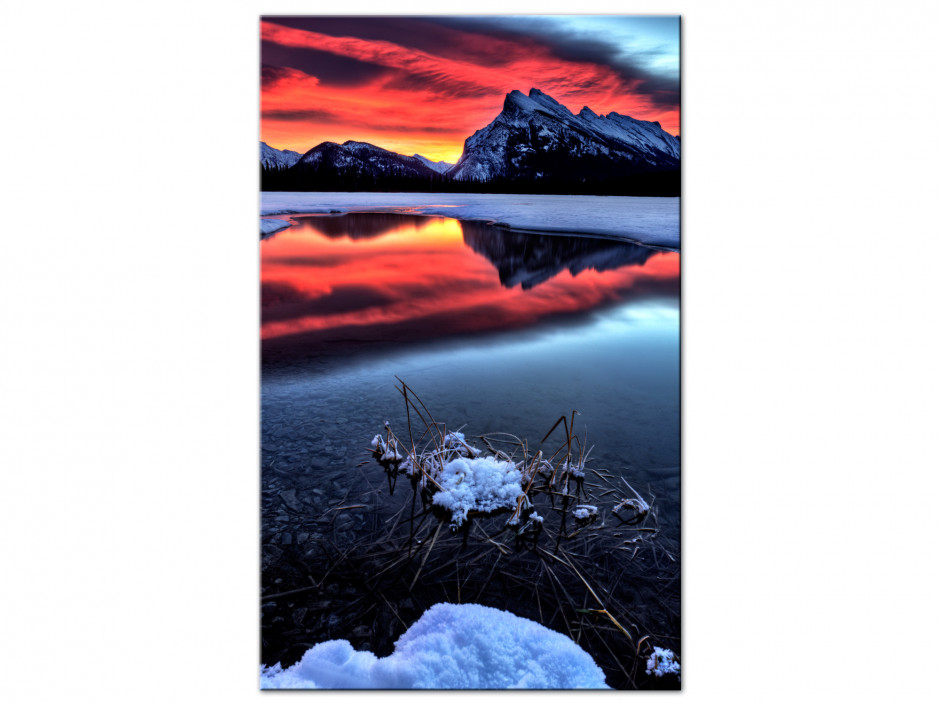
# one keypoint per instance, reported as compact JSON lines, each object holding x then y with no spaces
{"x":470,"y":350}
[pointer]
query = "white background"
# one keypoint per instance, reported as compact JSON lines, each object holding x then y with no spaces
{"x":129,"y":368}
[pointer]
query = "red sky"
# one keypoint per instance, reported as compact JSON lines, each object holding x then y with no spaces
{"x":423,"y":85}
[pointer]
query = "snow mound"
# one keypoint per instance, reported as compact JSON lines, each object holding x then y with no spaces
{"x":450,"y":647}
{"x":478,"y":484}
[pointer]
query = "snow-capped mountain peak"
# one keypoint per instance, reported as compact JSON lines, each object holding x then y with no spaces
{"x":272,"y":158}
{"x":517,"y":105}
{"x":352,"y":158}
{"x":536,"y":137}
{"x":439,"y":167}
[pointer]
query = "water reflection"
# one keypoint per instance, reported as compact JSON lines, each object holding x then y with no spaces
{"x":363,"y":226}
{"x":334,"y":282}
{"x":529,"y":260}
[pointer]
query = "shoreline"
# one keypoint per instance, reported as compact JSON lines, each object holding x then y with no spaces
{"x":590,"y":216}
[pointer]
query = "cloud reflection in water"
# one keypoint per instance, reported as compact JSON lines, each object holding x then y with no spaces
{"x":355,"y":279}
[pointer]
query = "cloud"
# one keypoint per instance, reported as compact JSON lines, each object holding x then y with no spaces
{"x":329,"y":68}
{"x":274,"y":75}
{"x":341,"y":299}
{"x":568,"y":43}
{"x":302,"y":115}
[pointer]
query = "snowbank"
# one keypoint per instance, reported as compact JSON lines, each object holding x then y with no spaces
{"x":450,"y":647}
{"x":647,"y":220}
{"x":272,"y":225}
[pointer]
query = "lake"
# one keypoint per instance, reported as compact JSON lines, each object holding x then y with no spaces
{"x":495,"y":330}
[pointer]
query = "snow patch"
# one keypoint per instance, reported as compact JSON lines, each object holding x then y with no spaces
{"x":273,"y":225}
{"x":449,"y":647}
{"x":585,"y":512}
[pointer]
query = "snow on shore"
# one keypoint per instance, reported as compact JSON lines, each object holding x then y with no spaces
{"x":449,"y":647}
{"x":272,"y":225}
{"x":647,"y":220}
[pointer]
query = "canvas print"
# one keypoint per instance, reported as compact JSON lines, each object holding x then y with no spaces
{"x":470,"y":389}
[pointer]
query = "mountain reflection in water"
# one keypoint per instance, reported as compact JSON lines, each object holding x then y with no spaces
{"x":363,"y":226}
{"x":529,"y":260}
{"x":334,"y":283}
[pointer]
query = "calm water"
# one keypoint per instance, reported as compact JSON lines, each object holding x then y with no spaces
{"x":495,"y":330}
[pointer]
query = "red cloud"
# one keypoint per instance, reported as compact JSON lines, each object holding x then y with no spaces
{"x":455,"y":96}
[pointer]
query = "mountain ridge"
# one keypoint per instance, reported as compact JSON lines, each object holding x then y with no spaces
{"x":272,"y":158}
{"x":534,"y":133}
{"x":535,"y":144}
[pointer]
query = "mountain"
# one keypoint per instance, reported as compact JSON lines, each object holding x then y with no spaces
{"x":535,"y":145}
{"x":361,"y":159}
{"x":277,"y":158}
{"x":354,"y":166}
{"x":536,"y":137}
{"x":439,"y":167}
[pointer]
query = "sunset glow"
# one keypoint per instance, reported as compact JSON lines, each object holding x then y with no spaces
{"x":423,"y":85}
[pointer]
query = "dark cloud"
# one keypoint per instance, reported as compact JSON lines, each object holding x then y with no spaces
{"x":394,"y":128}
{"x":303,"y":115}
{"x":442,"y":85}
{"x":331,"y":69}
{"x":570,"y":46}
{"x":424,"y":34}
{"x":448,"y":37}
{"x":272,"y":74}
{"x":323,"y":117}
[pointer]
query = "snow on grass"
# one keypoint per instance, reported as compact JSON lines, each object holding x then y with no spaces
{"x":478,"y":484}
{"x":450,"y":647}
{"x":661,"y":662}
{"x":272,"y":225}
{"x":461,"y":480}
{"x":585,"y":512}
{"x":639,"y":505}
{"x":647,"y":220}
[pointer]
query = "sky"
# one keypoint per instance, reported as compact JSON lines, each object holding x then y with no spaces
{"x":422,"y":85}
